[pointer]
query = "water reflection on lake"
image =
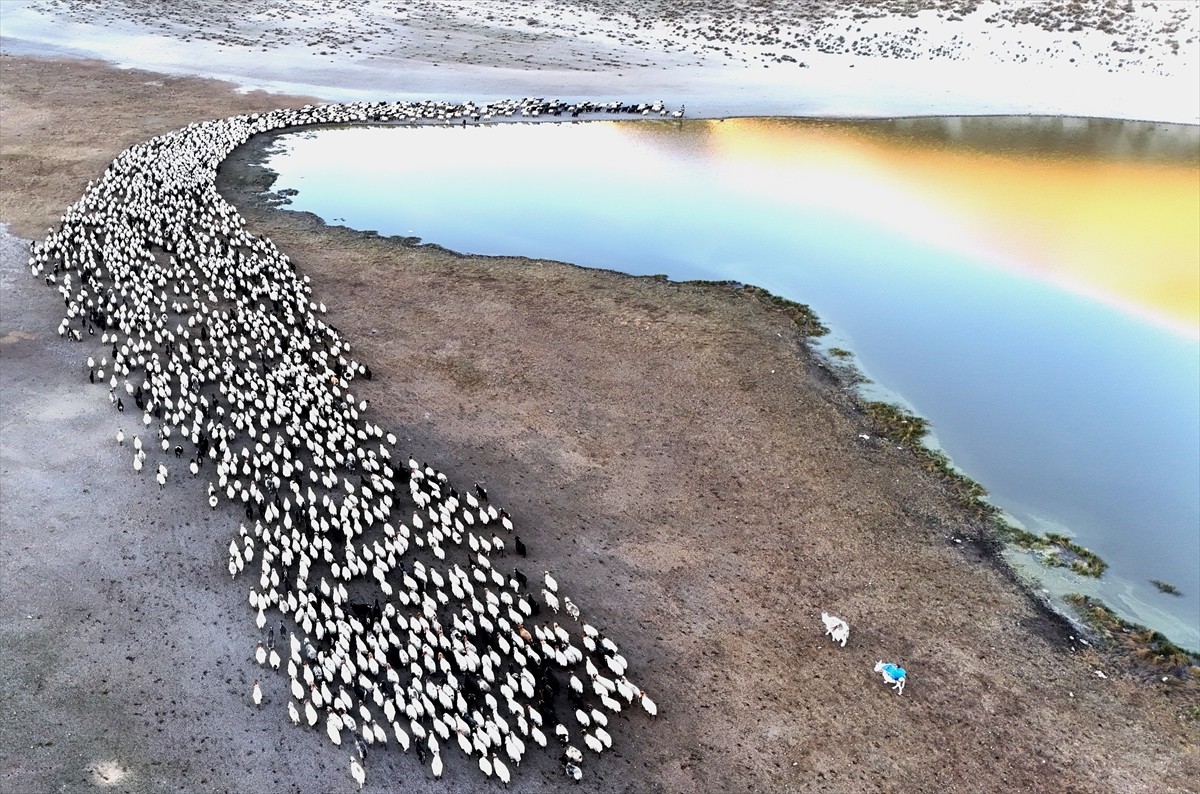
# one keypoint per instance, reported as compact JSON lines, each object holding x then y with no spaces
{"x":1032,"y":286}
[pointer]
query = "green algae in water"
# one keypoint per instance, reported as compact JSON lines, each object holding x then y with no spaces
{"x":1166,"y":587}
{"x":1144,"y":645}
{"x":1053,"y":549}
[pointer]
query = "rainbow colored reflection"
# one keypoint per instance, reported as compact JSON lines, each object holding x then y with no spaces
{"x":1123,"y":228}
{"x":1031,"y":286}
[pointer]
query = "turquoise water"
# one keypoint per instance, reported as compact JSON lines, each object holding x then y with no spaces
{"x":1077,"y":414}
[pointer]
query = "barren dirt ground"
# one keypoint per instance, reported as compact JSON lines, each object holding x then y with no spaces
{"x":673,"y":452}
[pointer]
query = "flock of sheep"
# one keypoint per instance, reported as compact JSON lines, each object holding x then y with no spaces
{"x":396,"y":620}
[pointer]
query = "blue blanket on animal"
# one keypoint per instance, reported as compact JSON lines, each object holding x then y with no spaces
{"x":895,"y":673}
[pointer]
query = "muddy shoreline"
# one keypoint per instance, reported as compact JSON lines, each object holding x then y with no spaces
{"x":673,"y":451}
{"x":246,"y":182}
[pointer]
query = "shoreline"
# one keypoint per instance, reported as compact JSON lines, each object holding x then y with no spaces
{"x":1046,"y":550}
{"x":450,"y":380}
{"x":724,"y":109}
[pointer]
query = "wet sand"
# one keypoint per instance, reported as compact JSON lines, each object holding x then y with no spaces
{"x":673,"y":452}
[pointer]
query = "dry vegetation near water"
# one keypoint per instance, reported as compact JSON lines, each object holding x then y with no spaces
{"x":672,"y":451}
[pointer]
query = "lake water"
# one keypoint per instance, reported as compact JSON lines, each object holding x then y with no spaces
{"x":1031,"y":286}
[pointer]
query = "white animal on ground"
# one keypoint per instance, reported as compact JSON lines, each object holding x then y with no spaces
{"x":333,"y":726}
{"x":357,"y":772}
{"x":892,"y":674}
{"x":836,"y":628}
{"x":648,"y":704}
{"x":501,"y":770}
{"x":594,"y":744}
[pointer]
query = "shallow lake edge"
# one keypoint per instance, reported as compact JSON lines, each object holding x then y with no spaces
{"x":245,"y":180}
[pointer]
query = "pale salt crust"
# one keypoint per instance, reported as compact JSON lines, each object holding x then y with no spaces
{"x":981,"y":63}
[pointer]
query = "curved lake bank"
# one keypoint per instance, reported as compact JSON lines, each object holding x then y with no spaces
{"x":978,"y":267}
{"x":987,"y":670}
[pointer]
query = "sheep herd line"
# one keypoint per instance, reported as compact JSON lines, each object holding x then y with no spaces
{"x":381,"y":588}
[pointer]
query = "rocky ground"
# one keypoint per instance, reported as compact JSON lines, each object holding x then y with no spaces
{"x":693,"y":475}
